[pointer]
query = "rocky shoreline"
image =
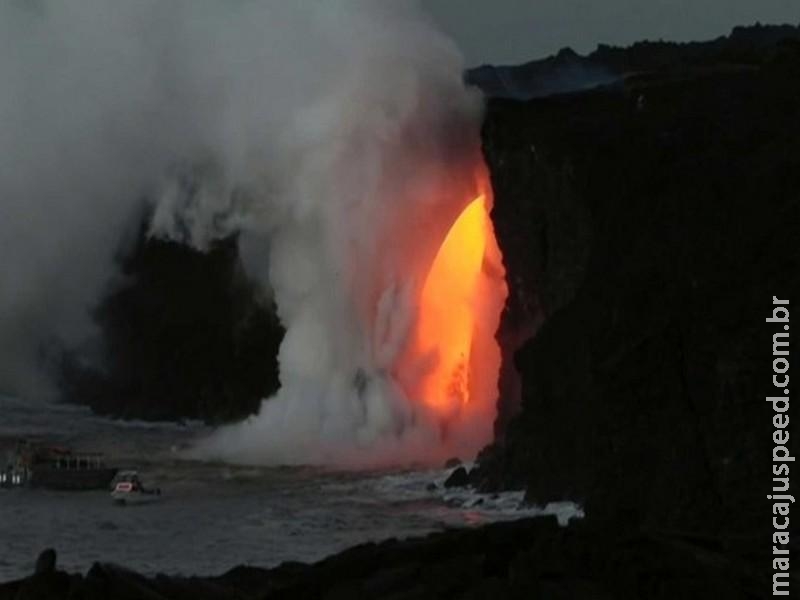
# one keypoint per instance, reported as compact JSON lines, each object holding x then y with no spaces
{"x":531,"y":558}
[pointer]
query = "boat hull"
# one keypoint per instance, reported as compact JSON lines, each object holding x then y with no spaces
{"x":71,"y":479}
{"x":135,"y":499}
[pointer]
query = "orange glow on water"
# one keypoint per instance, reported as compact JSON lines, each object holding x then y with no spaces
{"x":448,"y":309}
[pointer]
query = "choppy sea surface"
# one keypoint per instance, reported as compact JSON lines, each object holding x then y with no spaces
{"x":213,"y":516}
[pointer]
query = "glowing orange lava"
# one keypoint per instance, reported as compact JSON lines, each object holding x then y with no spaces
{"x":447,"y":315}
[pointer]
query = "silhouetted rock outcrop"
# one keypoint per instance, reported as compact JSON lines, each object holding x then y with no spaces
{"x":185,"y":336}
{"x":458,"y":478}
{"x":46,"y":563}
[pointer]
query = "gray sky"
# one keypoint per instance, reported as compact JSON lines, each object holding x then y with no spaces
{"x":513,"y":31}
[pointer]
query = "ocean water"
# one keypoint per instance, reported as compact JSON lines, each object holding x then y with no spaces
{"x":213,"y":516}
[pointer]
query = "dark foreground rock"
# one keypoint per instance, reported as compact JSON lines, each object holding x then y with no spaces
{"x":458,"y":478}
{"x":532,"y":558}
{"x":46,"y":563}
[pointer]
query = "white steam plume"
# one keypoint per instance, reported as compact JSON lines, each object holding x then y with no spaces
{"x":337,"y":137}
{"x":87,"y":121}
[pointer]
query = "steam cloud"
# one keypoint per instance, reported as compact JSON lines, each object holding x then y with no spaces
{"x":336,"y":137}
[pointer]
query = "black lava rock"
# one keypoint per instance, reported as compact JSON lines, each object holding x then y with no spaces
{"x":530,"y":558}
{"x":458,"y":478}
{"x":187,"y":336}
{"x":46,"y":562}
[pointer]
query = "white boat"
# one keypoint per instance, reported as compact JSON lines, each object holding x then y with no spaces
{"x":128,"y":489}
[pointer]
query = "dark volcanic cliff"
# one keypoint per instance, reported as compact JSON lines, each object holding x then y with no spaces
{"x":648,"y":225}
{"x":186,"y":335}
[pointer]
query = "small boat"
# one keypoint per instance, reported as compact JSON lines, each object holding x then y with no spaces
{"x":128,"y":489}
{"x":38,"y":465}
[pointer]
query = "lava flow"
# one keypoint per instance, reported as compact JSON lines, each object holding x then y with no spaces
{"x":447,"y":316}
{"x":459,"y":309}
